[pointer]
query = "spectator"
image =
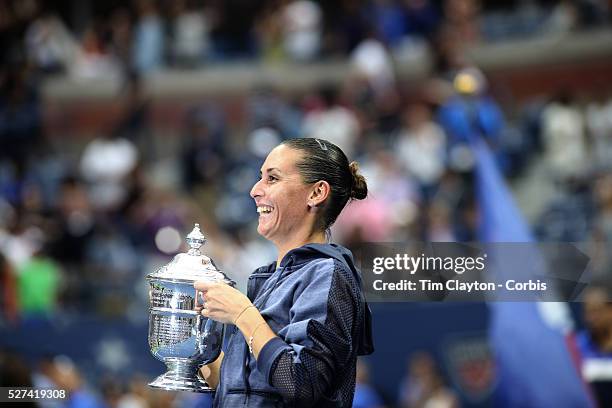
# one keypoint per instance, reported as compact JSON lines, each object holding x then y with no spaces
{"x":563,"y":130}
{"x":422,"y":17}
{"x":136,"y":395}
{"x":439,"y":226}
{"x":469,"y":114}
{"x":19,"y":241}
{"x":598,"y":117}
{"x":267,"y":108}
{"x":388,"y":20}
{"x":603,"y":198}
{"x":203,"y":151}
{"x":421,"y":148}
{"x":601,"y":233}
{"x":595,"y":343}
{"x":69,"y":378}
{"x":133,"y":124}
{"x":93,"y":60}
{"x":233,"y":31}
{"x":20,"y":117}
{"x":45,"y":376}
{"x":333,"y":122}
{"x":8,"y":293}
{"x":190,"y":42}
{"x":269,"y":31}
{"x":366,"y":395}
{"x":350,"y":26}
{"x":15,"y":372}
{"x":462,"y":18}
{"x":148,"y":41}
{"x":371,"y":60}
{"x":38,"y":283}
{"x":49,"y":43}
{"x":423,"y":386}
{"x":76,"y":223}
{"x":106,"y":164}
{"x":564,"y":18}
{"x":302,"y":29}
{"x":120,"y":37}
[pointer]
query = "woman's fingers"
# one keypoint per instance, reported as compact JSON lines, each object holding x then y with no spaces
{"x":205,"y":292}
{"x":204,"y":286}
{"x":221,"y":302}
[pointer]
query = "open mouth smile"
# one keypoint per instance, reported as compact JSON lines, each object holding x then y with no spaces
{"x":264,"y":209}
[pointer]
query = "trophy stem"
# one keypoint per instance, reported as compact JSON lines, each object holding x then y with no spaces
{"x":182,"y":375}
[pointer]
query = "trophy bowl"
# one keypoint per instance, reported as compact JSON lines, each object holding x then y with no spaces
{"x":179,"y":336}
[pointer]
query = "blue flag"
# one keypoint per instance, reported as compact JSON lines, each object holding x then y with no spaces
{"x":536,"y":363}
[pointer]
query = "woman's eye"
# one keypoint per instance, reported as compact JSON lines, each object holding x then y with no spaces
{"x":272,"y":178}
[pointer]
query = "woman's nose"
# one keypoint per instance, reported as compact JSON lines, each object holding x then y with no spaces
{"x":256,"y":191}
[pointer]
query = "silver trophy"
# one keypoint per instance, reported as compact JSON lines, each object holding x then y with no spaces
{"x":179,"y":336}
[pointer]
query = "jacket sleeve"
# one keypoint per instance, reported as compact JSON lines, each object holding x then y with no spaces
{"x":315,"y":349}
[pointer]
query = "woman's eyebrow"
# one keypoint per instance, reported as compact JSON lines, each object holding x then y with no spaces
{"x":271,"y":169}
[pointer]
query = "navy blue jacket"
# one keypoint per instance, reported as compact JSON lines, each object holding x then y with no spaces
{"x":314,"y":303}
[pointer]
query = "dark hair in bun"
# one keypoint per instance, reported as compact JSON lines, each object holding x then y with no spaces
{"x":360,"y":187}
{"x":324,"y":161}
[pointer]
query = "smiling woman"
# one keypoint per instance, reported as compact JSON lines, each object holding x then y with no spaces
{"x":299,"y":329}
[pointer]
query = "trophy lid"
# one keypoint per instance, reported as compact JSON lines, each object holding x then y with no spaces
{"x":191,"y":266}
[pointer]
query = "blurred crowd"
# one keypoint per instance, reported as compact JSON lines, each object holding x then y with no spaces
{"x":422,"y":386}
{"x":60,"y":373}
{"x":108,"y":39}
{"x":81,"y":227}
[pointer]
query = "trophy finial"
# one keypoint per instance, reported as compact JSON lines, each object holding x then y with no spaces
{"x":195,"y":240}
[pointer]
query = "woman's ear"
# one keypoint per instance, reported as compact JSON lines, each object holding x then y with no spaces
{"x":319,"y":193}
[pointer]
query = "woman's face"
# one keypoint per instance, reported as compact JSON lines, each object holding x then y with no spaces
{"x":281,"y":196}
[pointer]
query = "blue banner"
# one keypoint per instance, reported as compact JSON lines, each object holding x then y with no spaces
{"x":532,"y":342}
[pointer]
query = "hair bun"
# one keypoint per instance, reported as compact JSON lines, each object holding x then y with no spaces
{"x":359,"y":190}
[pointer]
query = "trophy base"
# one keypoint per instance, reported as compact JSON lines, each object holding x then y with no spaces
{"x":181,"y":376}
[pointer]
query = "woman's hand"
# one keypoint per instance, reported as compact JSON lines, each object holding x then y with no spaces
{"x":222,"y":302}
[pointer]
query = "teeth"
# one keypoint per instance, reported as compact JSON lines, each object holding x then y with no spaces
{"x":264,"y":209}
